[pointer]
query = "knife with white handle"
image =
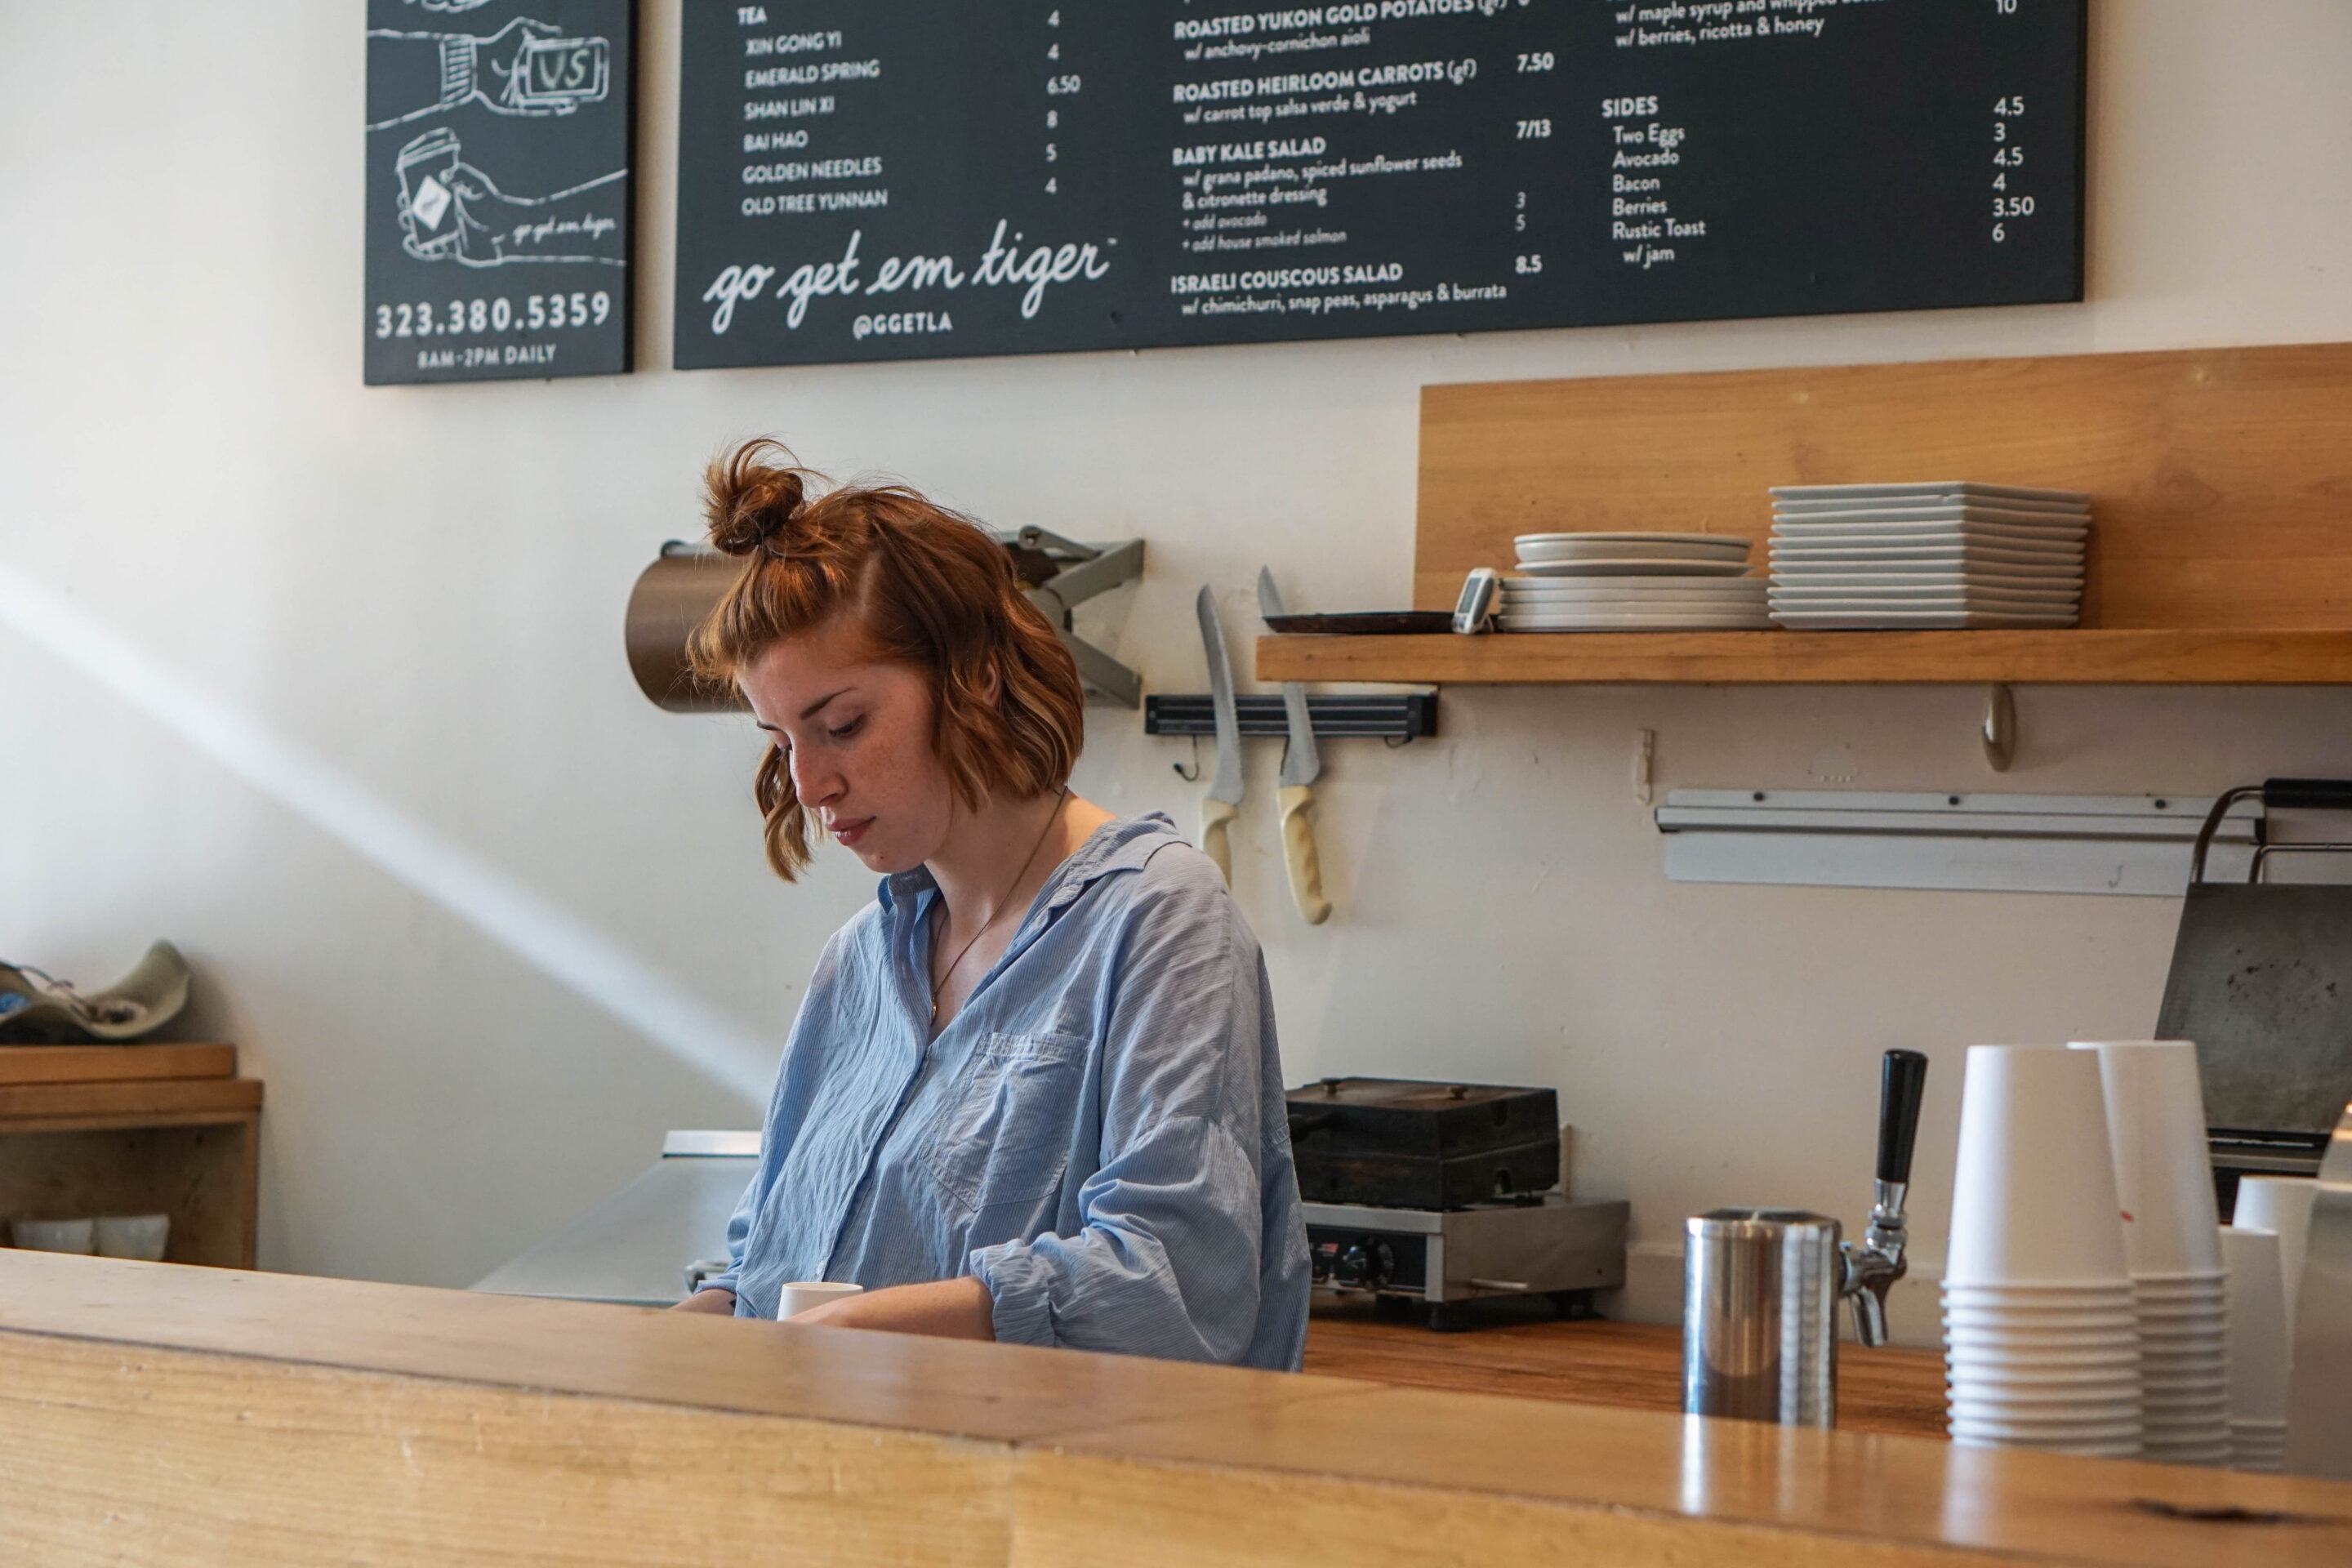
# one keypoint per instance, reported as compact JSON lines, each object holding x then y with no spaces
{"x":1300,"y":764}
{"x":1224,"y":801}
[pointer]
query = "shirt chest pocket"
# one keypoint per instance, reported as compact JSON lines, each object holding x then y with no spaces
{"x":1005,"y":1134}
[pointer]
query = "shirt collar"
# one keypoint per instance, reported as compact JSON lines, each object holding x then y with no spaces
{"x":1123,"y":844}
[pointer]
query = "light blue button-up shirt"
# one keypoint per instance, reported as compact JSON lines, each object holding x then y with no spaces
{"x":1098,"y":1135}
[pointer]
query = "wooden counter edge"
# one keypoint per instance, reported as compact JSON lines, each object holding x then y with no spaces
{"x":288,"y":1405}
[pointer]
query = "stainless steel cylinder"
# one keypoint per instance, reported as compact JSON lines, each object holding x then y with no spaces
{"x":1759,"y":1316}
{"x":2319,"y":1405}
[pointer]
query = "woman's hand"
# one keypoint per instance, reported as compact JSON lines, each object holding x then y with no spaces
{"x":714,"y":1302}
{"x":948,"y":1308}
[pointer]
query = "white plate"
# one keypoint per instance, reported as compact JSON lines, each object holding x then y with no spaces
{"x":1995,"y":581}
{"x":1797,"y":593}
{"x":1941,"y":528}
{"x":1635,"y":566}
{"x":1920,"y":606}
{"x":1956,"y":487}
{"x":1941,"y":512}
{"x":1646,"y":621}
{"x":1555,"y":607}
{"x":1726,"y":541}
{"x":1977,"y":555}
{"x":1617,"y":552}
{"x":1912,"y":620}
{"x":1671,"y":587}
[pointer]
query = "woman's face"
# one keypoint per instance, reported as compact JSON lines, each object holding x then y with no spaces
{"x":857,"y":735}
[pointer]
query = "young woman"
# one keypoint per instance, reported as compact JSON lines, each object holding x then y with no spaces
{"x":1032,"y":1092}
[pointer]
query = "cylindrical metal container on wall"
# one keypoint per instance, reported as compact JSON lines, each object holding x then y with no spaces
{"x":670,"y":599}
{"x":1759,"y":1316}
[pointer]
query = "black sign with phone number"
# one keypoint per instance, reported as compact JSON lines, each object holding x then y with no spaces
{"x":907,"y":179}
{"x":500,"y":140}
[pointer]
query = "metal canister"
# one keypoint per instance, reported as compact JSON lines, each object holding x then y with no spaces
{"x":1761,"y":1289}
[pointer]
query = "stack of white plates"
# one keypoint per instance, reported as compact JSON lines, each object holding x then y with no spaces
{"x":1633,"y":582}
{"x":1938,"y":555}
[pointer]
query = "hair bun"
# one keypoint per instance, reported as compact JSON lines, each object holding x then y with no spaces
{"x":751,"y":500}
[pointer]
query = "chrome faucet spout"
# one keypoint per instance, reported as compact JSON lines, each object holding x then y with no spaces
{"x":1872,"y":1269}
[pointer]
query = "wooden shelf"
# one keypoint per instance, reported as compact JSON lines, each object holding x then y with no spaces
{"x":111,"y":1130}
{"x":2082,"y":655}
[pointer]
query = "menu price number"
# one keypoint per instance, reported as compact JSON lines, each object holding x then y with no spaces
{"x":2008,"y":156}
{"x":539,"y":313}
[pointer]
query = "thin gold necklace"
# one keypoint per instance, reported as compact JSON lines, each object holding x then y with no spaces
{"x":940,"y":983}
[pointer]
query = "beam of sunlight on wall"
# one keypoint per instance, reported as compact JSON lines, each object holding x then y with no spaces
{"x":549,"y":938}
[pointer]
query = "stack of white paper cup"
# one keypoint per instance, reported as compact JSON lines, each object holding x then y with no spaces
{"x":2281,"y":1203}
{"x":2258,"y":1349}
{"x":2172,"y":1237}
{"x":2040,"y":1328}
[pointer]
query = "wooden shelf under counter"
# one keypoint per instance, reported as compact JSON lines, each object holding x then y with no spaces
{"x":2079,"y":655}
{"x":115,"y":1130}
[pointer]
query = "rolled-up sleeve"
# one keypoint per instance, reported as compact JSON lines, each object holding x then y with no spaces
{"x":1167,"y":1259}
{"x":738,"y":1236}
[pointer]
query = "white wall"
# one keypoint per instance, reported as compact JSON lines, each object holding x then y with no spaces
{"x":325,"y":682}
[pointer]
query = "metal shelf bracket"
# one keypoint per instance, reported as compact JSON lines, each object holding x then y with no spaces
{"x":1058,"y":574}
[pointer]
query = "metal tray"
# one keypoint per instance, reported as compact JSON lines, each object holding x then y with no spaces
{"x":1365,"y":623}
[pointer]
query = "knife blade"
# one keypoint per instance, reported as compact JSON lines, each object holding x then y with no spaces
{"x":1301,"y":762}
{"x":1224,"y":801}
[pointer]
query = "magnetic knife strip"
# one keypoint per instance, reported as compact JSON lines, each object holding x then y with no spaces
{"x":1393,"y":718}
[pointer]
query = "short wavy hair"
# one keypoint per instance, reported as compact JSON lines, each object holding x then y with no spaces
{"x":930,"y":589}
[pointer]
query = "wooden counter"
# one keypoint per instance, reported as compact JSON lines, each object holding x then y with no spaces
{"x":151,"y":1413}
{"x":1629,"y":1366}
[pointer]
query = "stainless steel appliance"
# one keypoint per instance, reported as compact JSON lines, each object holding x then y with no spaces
{"x":2262,"y":980}
{"x":638,"y":1247}
{"x":1442,"y":1259}
{"x":1760,"y":1287}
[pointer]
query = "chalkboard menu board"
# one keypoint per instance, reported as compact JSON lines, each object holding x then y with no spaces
{"x":896,"y":179}
{"x":499,"y":139}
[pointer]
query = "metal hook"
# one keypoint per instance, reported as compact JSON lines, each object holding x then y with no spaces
{"x":1194,"y":776}
{"x":1998,"y":730}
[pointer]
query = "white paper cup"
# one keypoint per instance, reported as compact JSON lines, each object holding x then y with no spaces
{"x":2047,"y":1401}
{"x":2164,"y":1173}
{"x":141,"y":1237}
{"x":2034,"y":1193}
{"x":2281,"y":1203}
{"x":799,"y":1297}
{"x":2120,"y":1321}
{"x":1992,"y":1375}
{"x":2049,"y":1296}
{"x":53,"y":1235}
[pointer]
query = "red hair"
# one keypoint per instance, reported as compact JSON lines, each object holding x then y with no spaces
{"x":930,"y":589}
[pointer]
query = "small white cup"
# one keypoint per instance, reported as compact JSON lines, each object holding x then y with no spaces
{"x":2281,"y":1203}
{"x":2033,"y":1195}
{"x":801,"y":1296}
{"x":2164,"y":1173}
{"x":54,"y":1235}
{"x":2258,"y":1343}
{"x":139,"y":1236}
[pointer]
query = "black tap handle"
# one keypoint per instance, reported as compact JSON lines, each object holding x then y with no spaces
{"x":2307,"y":795}
{"x":1898,"y":1113}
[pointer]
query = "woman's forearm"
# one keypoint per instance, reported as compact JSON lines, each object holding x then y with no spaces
{"x":716,"y":1300}
{"x":946,"y":1308}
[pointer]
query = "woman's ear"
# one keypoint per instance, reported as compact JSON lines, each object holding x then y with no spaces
{"x":991,"y":689}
